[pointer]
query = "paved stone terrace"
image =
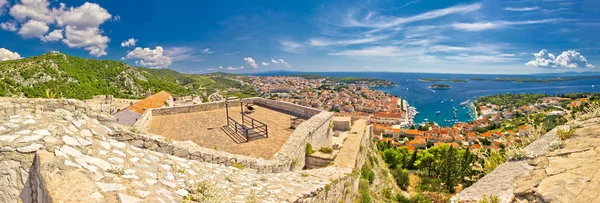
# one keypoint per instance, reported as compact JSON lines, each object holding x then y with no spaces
{"x":205,"y":129}
{"x":79,"y":162}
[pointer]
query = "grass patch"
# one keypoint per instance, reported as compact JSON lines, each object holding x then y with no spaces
{"x":326,"y":150}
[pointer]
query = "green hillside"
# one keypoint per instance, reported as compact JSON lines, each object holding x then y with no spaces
{"x":60,"y":75}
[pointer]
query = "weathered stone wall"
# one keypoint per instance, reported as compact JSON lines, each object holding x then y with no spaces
{"x":11,"y":106}
{"x":315,"y":131}
{"x":35,"y":189}
{"x":344,"y":188}
{"x":342,"y":123}
{"x":313,"y":162}
{"x":289,"y":108}
{"x":199,"y":107}
{"x":144,"y":121}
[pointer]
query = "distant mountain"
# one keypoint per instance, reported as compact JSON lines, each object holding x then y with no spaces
{"x":60,"y":75}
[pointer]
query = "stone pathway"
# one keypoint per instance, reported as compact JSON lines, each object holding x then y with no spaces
{"x":79,"y":161}
{"x":347,"y":156}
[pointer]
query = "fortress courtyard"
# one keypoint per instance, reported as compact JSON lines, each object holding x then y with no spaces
{"x":209,"y":129}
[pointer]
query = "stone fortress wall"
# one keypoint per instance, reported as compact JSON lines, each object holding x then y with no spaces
{"x":316,"y":130}
{"x":42,"y":170}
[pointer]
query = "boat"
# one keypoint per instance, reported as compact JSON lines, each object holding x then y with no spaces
{"x":437,"y":112}
{"x":451,"y":100}
{"x":442,"y":101}
{"x":465,"y":102}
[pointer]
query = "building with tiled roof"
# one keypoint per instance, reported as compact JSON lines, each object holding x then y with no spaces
{"x":129,"y":115}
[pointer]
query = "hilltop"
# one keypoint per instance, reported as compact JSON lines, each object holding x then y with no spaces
{"x":59,"y":75}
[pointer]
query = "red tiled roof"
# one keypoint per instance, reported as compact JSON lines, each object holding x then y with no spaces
{"x":155,"y":101}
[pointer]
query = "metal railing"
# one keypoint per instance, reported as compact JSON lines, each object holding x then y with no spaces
{"x":247,"y":127}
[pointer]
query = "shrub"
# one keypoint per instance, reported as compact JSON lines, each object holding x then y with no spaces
{"x":516,"y":154}
{"x":556,"y":144}
{"x":367,"y":173}
{"x":402,"y":199}
{"x":363,"y":189}
{"x":401,"y":177}
{"x":489,"y":199}
{"x":419,"y":199}
{"x":238,"y":165}
{"x":326,"y":150}
{"x":309,"y":149}
{"x":564,"y":134}
{"x":116,"y":170}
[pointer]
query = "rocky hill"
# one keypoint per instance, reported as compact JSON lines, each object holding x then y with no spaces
{"x":59,"y":75}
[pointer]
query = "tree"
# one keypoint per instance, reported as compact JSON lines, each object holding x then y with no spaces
{"x":448,"y":167}
{"x":411,"y":162}
{"x":391,"y":157}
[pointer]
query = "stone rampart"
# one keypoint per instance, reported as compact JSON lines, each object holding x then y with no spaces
{"x":316,"y":130}
{"x":344,"y":188}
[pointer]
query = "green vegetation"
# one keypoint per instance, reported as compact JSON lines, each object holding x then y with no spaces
{"x":441,"y":168}
{"x":440,"y":86}
{"x":509,"y":100}
{"x":56,"y":75}
{"x":326,"y":150}
{"x":442,"y":80}
{"x":349,"y":80}
{"x":564,"y":134}
{"x":309,"y":149}
{"x":533,"y":80}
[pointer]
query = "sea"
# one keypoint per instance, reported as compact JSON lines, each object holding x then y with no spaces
{"x":439,"y":105}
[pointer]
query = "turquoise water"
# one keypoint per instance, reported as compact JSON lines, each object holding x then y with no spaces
{"x":429,"y":101}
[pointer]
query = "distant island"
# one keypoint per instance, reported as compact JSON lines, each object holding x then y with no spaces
{"x":440,"y":86}
{"x":442,"y":80}
{"x":372,"y":82}
{"x":502,"y":79}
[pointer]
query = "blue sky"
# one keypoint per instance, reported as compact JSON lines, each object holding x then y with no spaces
{"x":520,"y":36}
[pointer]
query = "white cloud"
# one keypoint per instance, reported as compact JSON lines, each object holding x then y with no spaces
{"x":33,"y":29}
{"x":33,"y":10}
{"x":265,"y":63}
{"x":81,"y":24}
{"x":522,"y":8}
{"x":90,"y":39}
{"x":479,"y":26}
{"x":281,"y":61}
{"x":377,"y":51}
{"x":207,"y":51}
{"x":152,"y":58}
{"x":53,"y":36}
{"x":3,"y":3}
{"x":292,"y":47}
{"x":84,"y":16}
{"x":9,"y":26}
{"x":182,"y":53}
{"x":373,"y":20}
{"x":285,"y":63}
{"x":482,"y":59}
{"x":325,"y":42}
{"x":251,"y":62}
{"x":475,"y":26}
{"x":6,"y":55}
{"x":568,"y":59}
{"x":129,"y":43}
{"x":232,"y":68}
